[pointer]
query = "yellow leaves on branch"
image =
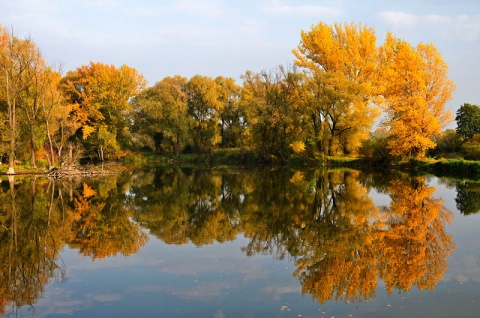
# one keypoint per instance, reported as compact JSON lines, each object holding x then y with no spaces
{"x":347,"y":48}
{"x":87,"y":131}
{"x":298,"y":146}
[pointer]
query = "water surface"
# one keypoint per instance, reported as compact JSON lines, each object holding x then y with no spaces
{"x":172,"y":242}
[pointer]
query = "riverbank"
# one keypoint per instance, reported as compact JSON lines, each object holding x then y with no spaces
{"x":452,"y":168}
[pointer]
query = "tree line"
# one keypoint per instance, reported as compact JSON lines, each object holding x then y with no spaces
{"x":325,"y":103}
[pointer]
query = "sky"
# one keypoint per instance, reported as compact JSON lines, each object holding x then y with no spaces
{"x":163,"y":38}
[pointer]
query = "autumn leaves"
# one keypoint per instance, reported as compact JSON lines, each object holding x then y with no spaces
{"x":418,"y":88}
{"x":323,"y":104}
{"x":99,"y":96}
{"x":355,"y":79}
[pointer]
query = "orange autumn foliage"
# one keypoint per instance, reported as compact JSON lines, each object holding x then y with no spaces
{"x":416,"y":88}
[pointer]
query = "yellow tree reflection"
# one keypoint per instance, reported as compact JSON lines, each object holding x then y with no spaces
{"x":339,"y":261}
{"x":101,"y":227}
{"x":341,"y":242}
{"x":415,"y":243}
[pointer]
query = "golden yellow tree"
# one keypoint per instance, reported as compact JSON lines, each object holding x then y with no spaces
{"x":16,"y":57}
{"x":232,"y":115}
{"x":341,"y":60}
{"x":100,"y":224}
{"x":339,"y":259}
{"x":56,"y":112}
{"x":416,"y":89}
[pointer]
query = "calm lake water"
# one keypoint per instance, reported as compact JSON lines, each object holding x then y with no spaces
{"x":172,"y":242}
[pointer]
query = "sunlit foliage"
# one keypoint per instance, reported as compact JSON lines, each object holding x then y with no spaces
{"x":323,"y":105}
{"x":341,"y":61}
{"x":99,"y":95}
{"x":416,"y":90}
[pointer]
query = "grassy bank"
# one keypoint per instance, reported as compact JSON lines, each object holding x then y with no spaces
{"x":452,"y":168}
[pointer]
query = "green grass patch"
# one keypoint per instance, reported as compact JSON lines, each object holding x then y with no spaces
{"x":451,"y":168}
{"x":458,"y":168}
{"x":343,"y":160}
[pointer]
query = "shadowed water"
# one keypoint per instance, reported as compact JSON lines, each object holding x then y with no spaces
{"x":173,"y":242}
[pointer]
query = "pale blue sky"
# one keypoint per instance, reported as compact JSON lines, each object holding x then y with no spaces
{"x":220,"y":37}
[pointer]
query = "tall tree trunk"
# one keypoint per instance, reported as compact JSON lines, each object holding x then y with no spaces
{"x":11,"y":157}
{"x":70,"y":153}
{"x":101,"y":153}
{"x":51,"y":161}
{"x":330,"y":146}
{"x":33,"y":162}
{"x":60,"y":163}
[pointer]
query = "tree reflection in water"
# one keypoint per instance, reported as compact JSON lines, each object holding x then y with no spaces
{"x":325,"y":221}
{"x":404,"y":244}
{"x":31,"y":237}
{"x":468,"y":197}
{"x":39,"y":216}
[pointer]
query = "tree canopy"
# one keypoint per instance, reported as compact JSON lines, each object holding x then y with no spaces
{"x":468,"y":120}
{"x":416,"y":88}
{"x":341,"y":63}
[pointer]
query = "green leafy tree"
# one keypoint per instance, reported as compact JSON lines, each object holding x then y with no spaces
{"x":471,"y":148}
{"x":274,"y":112}
{"x":375,"y":148}
{"x":468,"y":197}
{"x":232,"y":115}
{"x":448,"y":144}
{"x":204,"y":109}
{"x":161,"y":119}
{"x":468,"y":121}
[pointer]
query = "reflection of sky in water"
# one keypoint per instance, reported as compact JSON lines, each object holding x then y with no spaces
{"x":463,"y":264}
{"x":174,"y":279}
{"x":218,"y":280}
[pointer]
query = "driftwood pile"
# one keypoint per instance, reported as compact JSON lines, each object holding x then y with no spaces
{"x":74,"y":171}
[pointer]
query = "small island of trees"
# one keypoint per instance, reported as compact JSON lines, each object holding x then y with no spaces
{"x":324,"y":104}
